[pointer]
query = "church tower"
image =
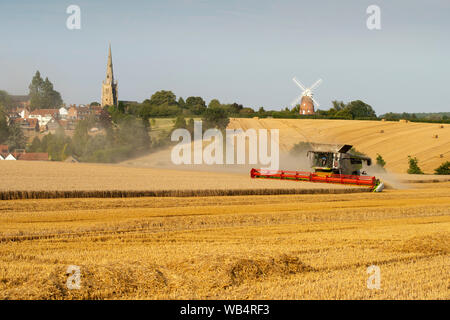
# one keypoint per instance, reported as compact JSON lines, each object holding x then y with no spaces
{"x":109,"y":86}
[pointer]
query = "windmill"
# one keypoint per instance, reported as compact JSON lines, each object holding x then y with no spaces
{"x":306,"y":99}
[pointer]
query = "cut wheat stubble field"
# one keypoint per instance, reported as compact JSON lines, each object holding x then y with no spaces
{"x":241,"y":247}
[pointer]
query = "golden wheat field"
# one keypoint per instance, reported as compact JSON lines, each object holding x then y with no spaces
{"x":429,"y":142}
{"x":240,"y":247}
{"x":221,"y":235}
{"x":395,"y":141}
{"x":62,"y":176}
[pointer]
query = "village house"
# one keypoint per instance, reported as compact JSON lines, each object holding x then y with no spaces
{"x":63,"y":113}
{"x":21,"y":155}
{"x":12,"y":116}
{"x":67,"y":124}
{"x":53,"y":125}
{"x":83,"y":112}
{"x":8,"y":156}
{"x":29,"y":124}
{"x":24,"y":112}
{"x":44,"y":115}
{"x":72,"y":113}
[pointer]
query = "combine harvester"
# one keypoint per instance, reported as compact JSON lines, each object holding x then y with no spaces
{"x":331,"y":164}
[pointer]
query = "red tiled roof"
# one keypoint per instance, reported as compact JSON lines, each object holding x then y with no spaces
{"x":44,"y":112}
{"x":32,"y":122}
{"x":4,"y":148}
{"x":33,"y":156}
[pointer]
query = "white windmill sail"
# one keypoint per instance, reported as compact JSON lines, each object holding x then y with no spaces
{"x":306,"y":92}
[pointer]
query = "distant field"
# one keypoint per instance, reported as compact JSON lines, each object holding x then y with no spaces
{"x":393,"y":140}
{"x":242,"y":247}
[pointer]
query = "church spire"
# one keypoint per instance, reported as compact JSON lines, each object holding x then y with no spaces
{"x":109,"y":68}
{"x":109,"y":86}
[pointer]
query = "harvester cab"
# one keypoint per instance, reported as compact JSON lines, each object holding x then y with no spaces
{"x":334,"y":159}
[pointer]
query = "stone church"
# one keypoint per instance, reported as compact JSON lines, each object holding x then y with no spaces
{"x":109,"y":86}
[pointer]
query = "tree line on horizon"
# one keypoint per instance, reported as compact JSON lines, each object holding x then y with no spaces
{"x":164,"y":103}
{"x":127,"y":125}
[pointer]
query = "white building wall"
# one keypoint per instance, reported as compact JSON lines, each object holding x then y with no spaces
{"x":63,"y":113}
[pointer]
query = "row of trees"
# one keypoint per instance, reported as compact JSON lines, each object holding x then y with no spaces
{"x":418,"y":117}
{"x":165,"y":104}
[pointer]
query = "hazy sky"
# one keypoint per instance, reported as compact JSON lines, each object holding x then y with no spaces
{"x":243,"y":51}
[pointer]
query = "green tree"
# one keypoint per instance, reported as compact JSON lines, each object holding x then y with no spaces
{"x":42,"y":94}
{"x":94,"y":144}
{"x":36,"y":93}
{"x":196,"y":105}
{"x":215,"y":118}
{"x":235,"y":108}
{"x":80,"y":137}
{"x":4,"y":131}
{"x":360,"y":109}
{"x":214,"y":103}
{"x":380,"y":161}
{"x":5,"y":100}
{"x":343,"y":114}
{"x":58,"y":145}
{"x":413,"y":166}
{"x":132,"y":132}
{"x":180,"y":122}
{"x":248,"y":112}
{"x":443,"y":169}
{"x":16,"y":138}
{"x":181,"y":103}
{"x":338,"y":105}
{"x":35,"y":145}
{"x":163,"y":97}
